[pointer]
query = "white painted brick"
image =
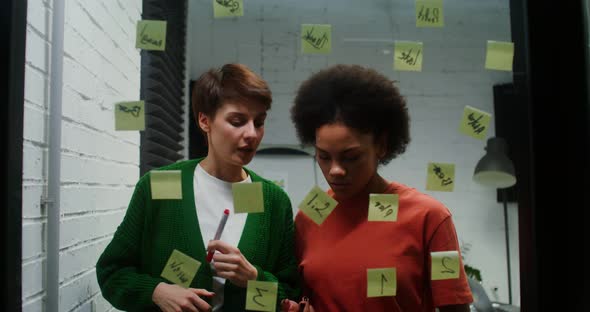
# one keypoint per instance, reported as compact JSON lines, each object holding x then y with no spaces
{"x":79,"y":79}
{"x":39,"y":17}
{"x":80,"y":229}
{"x":81,"y":258}
{"x":81,"y":139}
{"x":35,"y":86}
{"x":34,"y":119}
{"x":37,"y":51}
{"x":32,"y":161}
{"x":32,"y":240}
{"x":101,"y":67}
{"x":95,"y":198}
{"x":92,"y":170}
{"x":77,"y":291}
{"x":32,"y":193}
{"x":100,"y":304}
{"x":34,"y":305}
{"x":32,"y":277}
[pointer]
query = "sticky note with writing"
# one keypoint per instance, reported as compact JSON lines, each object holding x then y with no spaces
{"x":381,"y":282}
{"x":429,"y":13}
{"x":383,"y":207}
{"x":151,"y":35}
{"x":166,"y":184}
{"x":445,"y":265}
{"x":475,"y":122}
{"x":499,"y":55}
{"x":316,"y":39}
{"x":440,"y":177}
{"x":261,"y":296}
{"x":180,"y":269}
{"x":317,"y":205}
{"x":408,"y":56}
{"x":130,"y":116}
{"x":228,"y":8}
{"x":248,"y":197}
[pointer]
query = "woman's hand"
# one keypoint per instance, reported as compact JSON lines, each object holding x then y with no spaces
{"x":230,"y":264}
{"x":292,"y":306}
{"x":173,"y":298}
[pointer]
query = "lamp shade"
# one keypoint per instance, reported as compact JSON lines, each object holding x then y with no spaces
{"x":495,"y":169}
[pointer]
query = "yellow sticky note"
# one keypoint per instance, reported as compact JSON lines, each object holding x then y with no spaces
{"x":408,"y":56}
{"x":316,"y":39}
{"x":248,"y":197}
{"x":151,"y":35}
{"x":261,"y":296}
{"x":180,"y":269}
{"x":130,"y":116}
{"x":445,"y":265}
{"x":381,"y":282}
{"x":317,"y":205}
{"x":499,"y":55}
{"x":228,"y":8}
{"x":429,"y":13}
{"x":440,"y":177}
{"x":475,"y":122}
{"x":166,"y":184}
{"x":383,"y":207}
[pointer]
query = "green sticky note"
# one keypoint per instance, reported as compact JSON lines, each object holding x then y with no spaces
{"x":316,"y":39}
{"x":151,"y":35}
{"x":381,"y":282}
{"x":261,"y":296}
{"x":407,"y":56}
{"x":166,"y":184}
{"x":499,"y":55}
{"x":248,"y":197}
{"x":475,"y":122}
{"x":180,"y":269}
{"x":429,"y":13}
{"x":440,"y":177}
{"x":445,"y":265}
{"x":228,"y":8}
{"x":130,"y":116}
{"x":383,"y":207}
{"x":317,"y":205}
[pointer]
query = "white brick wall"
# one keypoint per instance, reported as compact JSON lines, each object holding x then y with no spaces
{"x":266,"y":38}
{"x":99,"y":165}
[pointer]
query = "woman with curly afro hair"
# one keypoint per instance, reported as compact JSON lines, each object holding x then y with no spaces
{"x":357,"y":120}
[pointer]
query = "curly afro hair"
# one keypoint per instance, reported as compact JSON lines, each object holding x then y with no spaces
{"x":360,"y":98}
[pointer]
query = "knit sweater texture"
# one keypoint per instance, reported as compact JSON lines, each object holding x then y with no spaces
{"x":129,"y":269}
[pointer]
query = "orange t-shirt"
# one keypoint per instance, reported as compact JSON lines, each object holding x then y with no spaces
{"x":334,"y":257}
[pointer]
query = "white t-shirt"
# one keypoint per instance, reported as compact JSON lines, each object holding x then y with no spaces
{"x":212,"y":197}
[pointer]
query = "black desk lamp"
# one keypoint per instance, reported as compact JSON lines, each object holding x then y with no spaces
{"x":496,"y":170}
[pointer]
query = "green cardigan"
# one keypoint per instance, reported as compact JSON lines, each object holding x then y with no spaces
{"x":129,"y":268}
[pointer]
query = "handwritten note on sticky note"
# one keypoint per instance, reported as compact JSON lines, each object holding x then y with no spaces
{"x":383,"y":207}
{"x":429,"y":13}
{"x":408,"y":56}
{"x":228,"y":8}
{"x":440,"y":177}
{"x":316,"y":39}
{"x":499,"y":55}
{"x":475,"y":122}
{"x":248,"y":197}
{"x":445,"y":265}
{"x":166,"y":184}
{"x":151,"y":35}
{"x":261,"y":296}
{"x":317,"y":205}
{"x":130,"y":116}
{"x":381,"y":282}
{"x":180,"y":269}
